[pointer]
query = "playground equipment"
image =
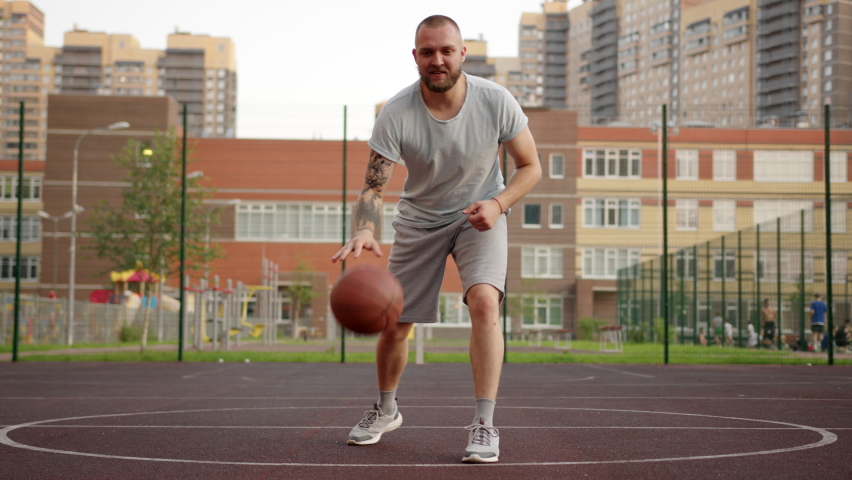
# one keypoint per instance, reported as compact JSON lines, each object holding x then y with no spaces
{"x":220,"y":314}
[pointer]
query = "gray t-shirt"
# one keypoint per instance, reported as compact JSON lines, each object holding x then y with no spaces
{"x":451,"y":163}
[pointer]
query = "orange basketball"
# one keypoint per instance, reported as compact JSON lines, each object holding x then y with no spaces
{"x":366,"y":299}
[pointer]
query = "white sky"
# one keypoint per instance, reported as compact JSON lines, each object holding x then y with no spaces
{"x":298,"y":63}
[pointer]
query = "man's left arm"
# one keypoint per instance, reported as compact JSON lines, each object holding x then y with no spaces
{"x":484,"y":214}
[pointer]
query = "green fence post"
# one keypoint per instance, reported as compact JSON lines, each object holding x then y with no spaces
{"x":740,"y":286}
{"x":757,"y":274}
{"x":665,"y":256}
{"x":18,"y":270}
{"x":506,"y":282}
{"x":828,"y":253}
{"x":344,"y":239}
{"x":803,"y":342}
{"x":778,"y":278}
{"x":724,"y":278}
{"x":694,"y":270}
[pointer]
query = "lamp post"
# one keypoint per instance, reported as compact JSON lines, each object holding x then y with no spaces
{"x":235,"y":201}
{"x":43,"y":214}
{"x":69,"y":334}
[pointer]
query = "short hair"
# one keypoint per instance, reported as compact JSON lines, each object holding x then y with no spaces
{"x":816,"y":295}
{"x":436,"y":21}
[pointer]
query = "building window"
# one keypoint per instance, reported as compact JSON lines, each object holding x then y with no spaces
{"x":604,"y":263}
{"x":9,"y":185}
{"x":766,"y":213}
{"x":532,"y":215}
{"x":783,"y":166}
{"x":9,"y":270}
{"x":541,"y":262}
{"x":724,"y":215}
{"x":541,"y":311}
{"x":556,"y":216}
{"x":612,"y":163}
{"x":557,"y":166}
{"x":838,"y":216}
{"x":289,"y":222}
{"x":685,"y":264}
{"x":452,"y":310}
{"x":838,"y":165}
{"x":388,"y":217}
{"x":686,"y":214}
{"x":29,"y":230}
{"x":791,"y":265}
{"x":839,"y":267}
{"x":724,"y":165}
{"x":611,"y":213}
{"x":725,"y":267}
{"x":687,"y":165}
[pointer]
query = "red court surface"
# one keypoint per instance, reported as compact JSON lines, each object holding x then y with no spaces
{"x":290,"y":420}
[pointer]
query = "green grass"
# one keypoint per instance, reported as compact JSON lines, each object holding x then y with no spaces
{"x":581,"y":352}
{"x":22,"y":347}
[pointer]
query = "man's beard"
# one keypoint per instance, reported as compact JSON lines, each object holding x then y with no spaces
{"x":446,"y":85}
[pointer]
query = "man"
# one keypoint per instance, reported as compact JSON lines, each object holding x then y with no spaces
{"x":447,"y":128}
{"x":768,"y":316}
{"x":718,"y":329}
{"x":818,"y":310}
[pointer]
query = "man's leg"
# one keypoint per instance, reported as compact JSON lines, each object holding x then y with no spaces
{"x":486,"y":339}
{"x":392,"y":355}
{"x":486,"y":360}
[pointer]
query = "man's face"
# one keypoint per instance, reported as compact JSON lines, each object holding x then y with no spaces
{"x":439,"y":54}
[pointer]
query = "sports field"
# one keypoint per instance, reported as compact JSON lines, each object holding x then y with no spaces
{"x":290,"y":420}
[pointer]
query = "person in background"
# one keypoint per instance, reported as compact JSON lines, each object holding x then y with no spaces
{"x":818,"y":310}
{"x":768,"y":317}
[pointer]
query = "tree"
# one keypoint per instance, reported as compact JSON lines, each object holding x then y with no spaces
{"x":145,"y":227}
{"x":301,"y":291}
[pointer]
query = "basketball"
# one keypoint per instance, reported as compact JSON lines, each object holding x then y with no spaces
{"x":366,"y":299}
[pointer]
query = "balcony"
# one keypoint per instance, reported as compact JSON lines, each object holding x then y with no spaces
{"x":775,"y":99}
{"x":778,"y":9}
{"x":778,"y":69}
{"x":781,"y":82}
{"x":764,"y":58}
{"x":768,"y":41}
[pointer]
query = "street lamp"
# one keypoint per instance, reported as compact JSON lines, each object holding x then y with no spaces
{"x":74,"y":210}
{"x":43,"y":214}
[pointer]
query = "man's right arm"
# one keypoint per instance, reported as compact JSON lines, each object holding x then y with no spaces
{"x":367,"y":214}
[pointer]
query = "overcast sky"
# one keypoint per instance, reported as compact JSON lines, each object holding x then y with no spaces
{"x":299,"y":62}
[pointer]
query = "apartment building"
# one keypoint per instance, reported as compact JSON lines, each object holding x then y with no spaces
{"x":717,"y":72}
{"x":530,"y":91}
{"x":579,"y":62}
{"x":723,"y":63}
{"x":555,"y":54}
{"x":719,"y":181}
{"x":196,"y":70}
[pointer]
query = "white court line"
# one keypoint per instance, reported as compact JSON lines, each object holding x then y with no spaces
{"x":208,"y":372}
{"x":619,"y":371}
{"x":827,"y":439}
{"x":407,"y":427}
{"x":501,"y":398}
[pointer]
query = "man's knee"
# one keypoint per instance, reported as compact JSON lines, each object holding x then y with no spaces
{"x":397,"y":332}
{"x":483,"y":300}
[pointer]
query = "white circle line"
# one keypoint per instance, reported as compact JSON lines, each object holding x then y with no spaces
{"x":827,"y":439}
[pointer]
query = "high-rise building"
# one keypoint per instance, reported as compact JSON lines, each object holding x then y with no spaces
{"x":197,"y":70}
{"x":579,"y":61}
{"x":555,"y":54}
{"x":713,"y":62}
{"x":27,"y":77}
{"x":530,"y":51}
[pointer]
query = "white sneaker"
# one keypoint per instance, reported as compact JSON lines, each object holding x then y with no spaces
{"x":483,"y":444}
{"x":370,"y":429}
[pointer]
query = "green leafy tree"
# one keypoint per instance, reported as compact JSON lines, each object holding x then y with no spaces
{"x":144,"y":229}
{"x":301,"y":290}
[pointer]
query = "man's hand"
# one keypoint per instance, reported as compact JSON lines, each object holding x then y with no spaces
{"x":483,"y":215}
{"x":362,"y":240}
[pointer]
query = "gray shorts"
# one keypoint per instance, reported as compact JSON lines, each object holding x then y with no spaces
{"x":418,"y":258}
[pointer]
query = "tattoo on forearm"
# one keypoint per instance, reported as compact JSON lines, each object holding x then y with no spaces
{"x":368,"y":208}
{"x":379,"y":169}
